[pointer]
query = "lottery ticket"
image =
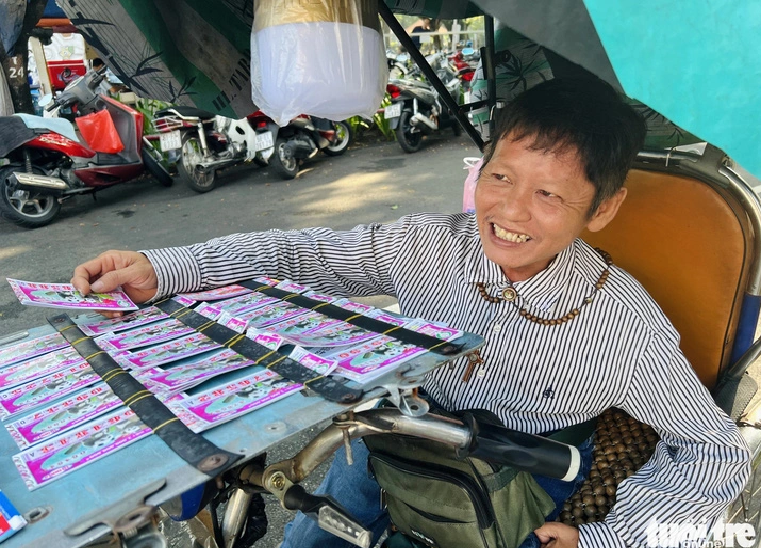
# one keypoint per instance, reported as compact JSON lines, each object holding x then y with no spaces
{"x":318,"y":296}
{"x":21,"y":372}
{"x":31,"y":348}
{"x":354,"y":307}
{"x":178,"y":349}
{"x":53,"y":295}
{"x":372,"y":359}
{"x":267,"y":339}
{"x":64,"y":415}
{"x":60,"y":384}
{"x":128,"y":321}
{"x":150,"y":334}
{"x":71,"y":450}
{"x":244,"y":303}
{"x":319,"y":364}
{"x":433,"y":329}
{"x":291,"y":287}
{"x":216,"y":294}
{"x":270,"y":314}
{"x":313,"y":329}
{"x":224,"y":403}
{"x":186,"y":375}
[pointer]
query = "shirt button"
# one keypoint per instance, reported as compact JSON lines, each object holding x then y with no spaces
{"x":497,"y":328}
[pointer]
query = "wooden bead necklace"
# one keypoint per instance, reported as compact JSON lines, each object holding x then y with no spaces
{"x":510,"y":294}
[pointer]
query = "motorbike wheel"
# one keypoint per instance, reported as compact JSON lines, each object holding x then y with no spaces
{"x":343,"y":138}
{"x":25,"y":208}
{"x":410,"y":142}
{"x":154,"y":167}
{"x":287,"y":167}
{"x":191,"y":155}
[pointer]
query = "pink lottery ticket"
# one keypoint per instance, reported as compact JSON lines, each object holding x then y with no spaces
{"x":46,"y":389}
{"x":382,"y":316}
{"x":271,"y":313}
{"x":183,"y":300}
{"x":221,"y":404}
{"x":62,"y":416}
{"x":184,"y":376}
{"x":21,"y":372}
{"x":216,"y":294}
{"x":434,"y":330}
{"x":293,"y":287}
{"x":208,"y":311}
{"x":54,"y":295}
{"x":229,"y":321}
{"x":265,"y":280}
{"x":318,"y":364}
{"x":245,"y":303}
{"x":31,"y":348}
{"x":150,"y":334}
{"x":273,"y":341}
{"x":354,"y":307}
{"x":313,"y":331}
{"x":72,"y":450}
{"x":135,"y":319}
{"x":318,"y":296}
{"x":372,"y":359}
{"x":178,"y":349}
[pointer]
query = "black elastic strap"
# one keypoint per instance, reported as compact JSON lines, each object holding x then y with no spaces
{"x":432,"y":344}
{"x":288,"y":368}
{"x":191,"y":447}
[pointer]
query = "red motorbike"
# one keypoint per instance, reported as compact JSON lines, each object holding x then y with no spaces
{"x":45,"y":161}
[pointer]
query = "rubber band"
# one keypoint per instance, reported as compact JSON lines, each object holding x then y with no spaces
{"x":313,"y":379}
{"x":133,"y":402}
{"x":87,"y":358}
{"x":290,"y":296}
{"x":207,"y":325}
{"x":264,"y":357}
{"x":354,"y":317}
{"x":68,"y":327}
{"x":184,"y":311}
{"x":438,"y":345}
{"x":235,"y":340}
{"x":387,"y":331}
{"x":161,"y":301}
{"x":281,"y":358}
{"x":139,"y":395}
{"x":111,"y":374}
{"x":80,"y":340}
{"x":262,"y":288}
{"x":163,"y":424}
{"x":319,"y":305}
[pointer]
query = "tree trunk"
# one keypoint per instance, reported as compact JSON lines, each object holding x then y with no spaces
{"x":16,"y":66}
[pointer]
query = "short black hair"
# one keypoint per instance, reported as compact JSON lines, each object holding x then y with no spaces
{"x":97,"y":62}
{"x":582,"y":114}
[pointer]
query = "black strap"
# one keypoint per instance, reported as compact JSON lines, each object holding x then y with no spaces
{"x":432,"y":344}
{"x":327,"y":387}
{"x":191,"y":447}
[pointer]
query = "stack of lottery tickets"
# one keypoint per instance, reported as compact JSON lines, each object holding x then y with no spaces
{"x":62,"y":416}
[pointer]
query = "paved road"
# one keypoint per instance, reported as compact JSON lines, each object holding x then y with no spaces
{"x":373,"y":181}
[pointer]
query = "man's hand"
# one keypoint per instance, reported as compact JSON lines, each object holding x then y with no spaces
{"x":558,"y":535}
{"x":128,"y":269}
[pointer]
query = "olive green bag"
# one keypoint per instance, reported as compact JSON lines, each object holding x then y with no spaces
{"x":442,"y":501}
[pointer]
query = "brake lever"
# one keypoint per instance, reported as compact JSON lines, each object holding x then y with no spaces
{"x":330,"y":516}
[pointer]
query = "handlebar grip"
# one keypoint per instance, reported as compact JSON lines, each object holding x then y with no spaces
{"x":527,"y":452}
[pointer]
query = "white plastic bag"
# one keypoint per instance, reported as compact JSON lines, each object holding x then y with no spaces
{"x":473,"y":165}
{"x":323,"y":57}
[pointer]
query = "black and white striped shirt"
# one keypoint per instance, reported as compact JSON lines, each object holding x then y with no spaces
{"x":620,"y":351}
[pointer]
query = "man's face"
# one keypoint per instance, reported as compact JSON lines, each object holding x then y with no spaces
{"x":531,"y":205}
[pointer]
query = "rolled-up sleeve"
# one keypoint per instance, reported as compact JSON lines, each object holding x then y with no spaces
{"x":358,"y":262}
{"x":700,"y":465}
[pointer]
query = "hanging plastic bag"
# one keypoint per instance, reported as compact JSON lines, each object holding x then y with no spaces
{"x":323,"y":57}
{"x":473,"y":165}
{"x":99,"y":131}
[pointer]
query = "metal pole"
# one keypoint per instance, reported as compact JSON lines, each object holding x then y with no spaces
{"x":487,"y":62}
{"x":438,"y":85}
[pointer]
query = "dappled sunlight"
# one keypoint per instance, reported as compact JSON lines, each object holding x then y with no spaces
{"x":7,"y":252}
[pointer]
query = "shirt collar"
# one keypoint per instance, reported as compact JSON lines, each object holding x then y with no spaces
{"x":541,"y":290}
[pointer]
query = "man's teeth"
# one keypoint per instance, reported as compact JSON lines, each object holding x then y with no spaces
{"x":503,"y":234}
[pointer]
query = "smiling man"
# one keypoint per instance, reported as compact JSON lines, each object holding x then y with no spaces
{"x":568,"y":334}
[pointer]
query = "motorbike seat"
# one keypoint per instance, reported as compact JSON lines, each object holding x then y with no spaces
{"x":185,"y":111}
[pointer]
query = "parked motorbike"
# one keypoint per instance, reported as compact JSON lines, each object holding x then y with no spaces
{"x":415,"y":109}
{"x":303,"y":138}
{"x":205,"y":142}
{"x":463,"y":63}
{"x":48,"y":163}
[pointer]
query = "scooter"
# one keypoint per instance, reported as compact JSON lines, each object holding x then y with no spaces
{"x":303,"y":138}
{"x":415,"y":109}
{"x":202,"y":143}
{"x":46,"y":162}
